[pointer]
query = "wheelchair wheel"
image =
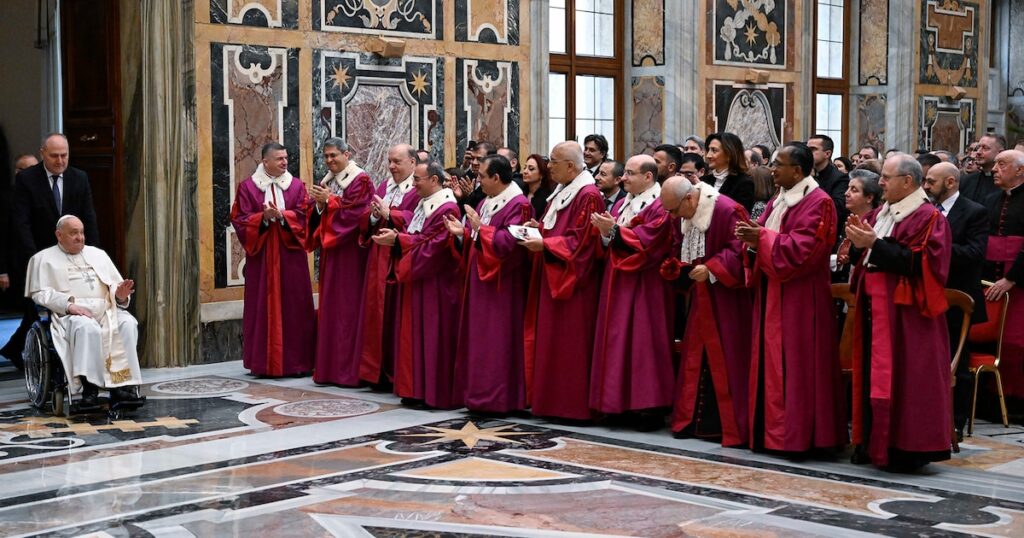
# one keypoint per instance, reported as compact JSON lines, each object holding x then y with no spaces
{"x":38,"y":366}
{"x":57,"y":401}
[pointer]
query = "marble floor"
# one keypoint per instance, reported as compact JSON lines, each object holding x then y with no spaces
{"x":216,"y":452}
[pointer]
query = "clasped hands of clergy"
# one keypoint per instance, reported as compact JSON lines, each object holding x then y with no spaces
{"x":124,"y":290}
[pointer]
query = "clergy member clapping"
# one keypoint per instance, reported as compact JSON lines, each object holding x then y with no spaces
{"x":92,"y":332}
{"x":632,"y":369}
{"x":489,"y":362}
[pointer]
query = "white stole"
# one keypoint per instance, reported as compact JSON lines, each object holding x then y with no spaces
{"x":634,"y":204}
{"x":397,"y":191}
{"x":695,"y":228}
{"x":426,"y":207}
{"x":338,"y":183}
{"x":788,"y":198}
{"x":563,"y":196}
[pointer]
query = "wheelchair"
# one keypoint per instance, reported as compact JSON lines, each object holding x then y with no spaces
{"x":47,"y":383}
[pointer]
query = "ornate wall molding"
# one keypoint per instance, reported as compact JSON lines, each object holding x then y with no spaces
{"x":487,"y":102}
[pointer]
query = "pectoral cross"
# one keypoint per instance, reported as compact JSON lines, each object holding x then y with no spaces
{"x":87,"y":277}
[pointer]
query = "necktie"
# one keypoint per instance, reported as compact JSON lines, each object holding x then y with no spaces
{"x":56,"y":193}
{"x":942,"y":209}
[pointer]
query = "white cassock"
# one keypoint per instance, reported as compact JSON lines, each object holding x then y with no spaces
{"x":101,"y":348}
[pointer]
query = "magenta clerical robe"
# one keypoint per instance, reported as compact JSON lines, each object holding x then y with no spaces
{"x":428,"y":268}
{"x":795,"y":385}
{"x":342,"y":274}
{"x":714,"y":371}
{"x":381,"y":293}
{"x":560,"y":311}
{"x":490,"y":363}
{"x":278,"y":329}
{"x":632,"y":368}
{"x":901,"y":374}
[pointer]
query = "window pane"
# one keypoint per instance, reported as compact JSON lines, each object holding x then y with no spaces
{"x":604,"y":97}
{"x":585,"y":5}
{"x":605,"y":6}
{"x":607,"y":128}
{"x":823,"y":26}
{"x":829,"y":119}
{"x":835,"y":60}
{"x":604,"y":37}
{"x":584,"y":128}
{"x":556,"y":95}
{"x":556,"y":29}
{"x":584,"y":33}
{"x":556,"y":131}
{"x":584,"y":97}
{"x":836,"y":25}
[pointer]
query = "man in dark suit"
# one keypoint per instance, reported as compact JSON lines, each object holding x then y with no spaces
{"x":42,"y":194}
{"x":609,"y":182}
{"x":829,"y":178}
{"x":968,"y":222}
{"x":978,"y":186}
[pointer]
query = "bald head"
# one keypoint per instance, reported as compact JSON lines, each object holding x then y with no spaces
{"x":566,"y":161}
{"x":1009,"y":169}
{"x":941,"y":181}
{"x":679,"y":197}
{"x":401,"y":161}
{"x":641,"y":172}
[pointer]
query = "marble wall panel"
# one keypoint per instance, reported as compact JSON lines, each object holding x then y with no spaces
{"x":1015,"y":58}
{"x":264,"y":13}
{"x":487,"y":21}
{"x":873,"y":44}
{"x":947,"y":125}
{"x":754,"y":113}
{"x":648,"y":113}
{"x":401,"y":18}
{"x":254,"y":101}
{"x":949,"y":43}
{"x":870,"y":121}
{"x":374,"y":103}
{"x":648,"y":33}
{"x":487,"y":102}
{"x":750,"y":33}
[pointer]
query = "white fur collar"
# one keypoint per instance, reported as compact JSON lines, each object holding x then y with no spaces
{"x":494,"y":204}
{"x":695,"y":228}
{"x":893,"y":214}
{"x":632,"y":205}
{"x":393,"y":196}
{"x":426,"y":207}
{"x":563,"y":196}
{"x":788,"y":198}
{"x":338,"y":183}
{"x":262,"y":180}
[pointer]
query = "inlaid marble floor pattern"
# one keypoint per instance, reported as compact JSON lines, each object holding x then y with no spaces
{"x":216,"y":452}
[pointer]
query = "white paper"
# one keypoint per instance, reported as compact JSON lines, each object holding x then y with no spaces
{"x":524,"y":232}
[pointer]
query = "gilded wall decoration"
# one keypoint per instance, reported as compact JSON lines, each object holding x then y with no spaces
{"x":871,"y":121}
{"x":648,"y":114}
{"x":263,"y":13}
{"x":487,"y":102}
{"x":754,"y":113}
{"x":945,"y":124}
{"x":874,"y":42}
{"x":750,"y":32}
{"x":648,"y":33}
{"x":401,"y":18}
{"x":1015,"y":77}
{"x":949,"y":43}
{"x":374,"y":103}
{"x":487,"y":21}
{"x":255,"y":100}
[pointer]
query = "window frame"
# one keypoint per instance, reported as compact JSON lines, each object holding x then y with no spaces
{"x":833,"y":86}
{"x":571,"y":65}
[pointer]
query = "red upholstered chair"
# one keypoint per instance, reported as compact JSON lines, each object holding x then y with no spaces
{"x":958,"y":299}
{"x":990,"y":332}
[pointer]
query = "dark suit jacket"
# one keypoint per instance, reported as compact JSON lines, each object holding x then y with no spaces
{"x":35,"y":212}
{"x":738,"y":187}
{"x":1012,"y":224}
{"x":968,"y":224}
{"x":835,"y":183}
{"x":540,"y":202}
{"x":6,"y":227}
{"x":608,"y":204}
{"x":978,"y":186}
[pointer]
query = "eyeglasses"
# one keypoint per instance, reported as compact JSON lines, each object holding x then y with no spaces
{"x":777,"y":164}
{"x":888,"y":178}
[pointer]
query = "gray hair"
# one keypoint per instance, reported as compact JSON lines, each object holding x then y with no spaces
{"x":51,"y":135}
{"x":573,"y":151}
{"x":679,"y":187}
{"x":336,"y":143}
{"x":63,"y":220}
{"x":698,"y":140}
{"x":869,"y":184}
{"x":949,"y":157}
{"x":908,"y":165}
{"x":434,"y":168}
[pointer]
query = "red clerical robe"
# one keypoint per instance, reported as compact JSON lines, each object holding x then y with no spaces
{"x":560,"y":311}
{"x":711,"y":390}
{"x":1007,"y":251}
{"x":278,"y":329}
{"x":428,"y":268}
{"x":901,"y":378}
{"x":632,"y":368}
{"x":489,"y":362}
{"x":381,"y":293}
{"x":342,"y":274}
{"x":795,"y":385}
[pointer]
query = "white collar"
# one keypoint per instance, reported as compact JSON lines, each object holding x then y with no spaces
{"x":404,"y":187}
{"x":786,"y":199}
{"x":634,"y":204}
{"x":262,"y":180}
{"x":494,"y":204}
{"x":426,"y":207}
{"x":342,"y":180}
{"x":563,"y":196}
{"x":707,"y":197}
{"x":393,"y":196}
{"x":50,"y":174}
{"x":904,"y":207}
{"x":948,"y":203}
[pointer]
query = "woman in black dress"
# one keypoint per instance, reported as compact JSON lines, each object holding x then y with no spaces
{"x":539,"y":184}
{"x":727,"y":168}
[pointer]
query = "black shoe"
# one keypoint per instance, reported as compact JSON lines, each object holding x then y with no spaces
{"x":90,"y":397}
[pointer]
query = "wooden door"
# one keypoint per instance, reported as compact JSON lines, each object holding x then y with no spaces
{"x":91,"y":71}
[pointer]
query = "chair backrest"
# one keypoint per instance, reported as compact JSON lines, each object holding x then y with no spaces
{"x":993,"y":329}
{"x":959,"y":299}
{"x":841,"y":292}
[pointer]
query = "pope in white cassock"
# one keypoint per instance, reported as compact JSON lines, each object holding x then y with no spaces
{"x":92,"y":332}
